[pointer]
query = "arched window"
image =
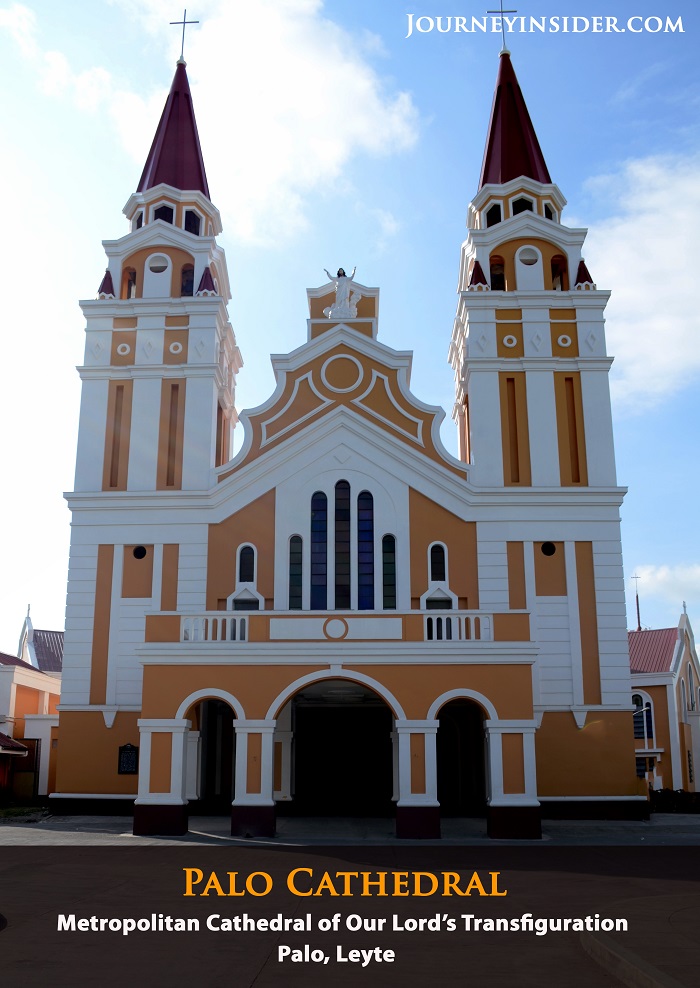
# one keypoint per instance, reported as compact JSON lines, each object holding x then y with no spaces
{"x":342,"y":544}
{"x":691,"y":687}
{"x":319,"y":551}
{"x":389,"y":573}
{"x":437,"y":564}
{"x":295,"y":573}
{"x":187,"y":280}
{"x":643,"y":720}
{"x":497,"y":274}
{"x":684,"y":701}
{"x":246,"y":564}
{"x":129,"y":283}
{"x":365,"y":552}
{"x":560,"y":273}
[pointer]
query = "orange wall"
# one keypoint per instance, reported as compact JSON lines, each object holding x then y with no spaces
{"x":595,"y":761}
{"x":89,"y":752}
{"x":430,"y":522}
{"x":254,"y":525}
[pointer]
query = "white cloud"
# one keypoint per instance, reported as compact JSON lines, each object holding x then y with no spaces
{"x":673,"y":584}
{"x":646,"y":249}
{"x":285,"y":99}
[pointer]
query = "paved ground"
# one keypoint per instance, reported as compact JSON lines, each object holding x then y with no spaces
{"x":666,"y":829}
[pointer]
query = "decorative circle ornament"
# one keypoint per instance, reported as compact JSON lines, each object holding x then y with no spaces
{"x":510,"y":341}
{"x":564,"y":340}
{"x":123,"y":349}
{"x":342,"y":373}
{"x":335,"y":628}
{"x":175,"y":348}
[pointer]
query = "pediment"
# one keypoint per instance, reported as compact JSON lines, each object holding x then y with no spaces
{"x":366,"y":379}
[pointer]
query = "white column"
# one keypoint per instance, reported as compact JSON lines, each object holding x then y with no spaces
{"x":91,"y":435}
{"x":200,"y":431}
{"x":178,"y":762}
{"x":485,"y":418}
{"x":244,"y":728}
{"x":192,"y":774}
{"x":404,"y":730}
{"x":145,"y":424}
{"x":495,"y":729}
{"x":542,"y":428}
{"x":597,"y":427}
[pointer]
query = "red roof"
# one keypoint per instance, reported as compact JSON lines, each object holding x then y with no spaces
{"x":106,"y":285}
{"x":176,"y":155}
{"x":8,"y":744}
{"x":206,"y":283}
{"x":652,"y":651}
{"x":583,"y":275}
{"x":477,"y":275}
{"x":512,"y":148}
{"x":12,"y":660}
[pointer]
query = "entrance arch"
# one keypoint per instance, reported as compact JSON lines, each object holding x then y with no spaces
{"x":462,"y":769}
{"x":211,"y":750}
{"x":334,"y":750}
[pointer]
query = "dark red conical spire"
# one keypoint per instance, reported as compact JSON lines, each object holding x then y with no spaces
{"x":176,"y":155}
{"x":512,"y":148}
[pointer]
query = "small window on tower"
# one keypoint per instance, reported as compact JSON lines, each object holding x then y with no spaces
{"x":139,"y":222}
{"x":129,"y":283}
{"x":560,"y":274}
{"x":548,"y":212}
{"x":193,"y":222}
{"x":498,"y":275}
{"x":165,"y":213}
{"x":522,"y":205}
{"x":187,"y":280}
{"x":493,"y":215}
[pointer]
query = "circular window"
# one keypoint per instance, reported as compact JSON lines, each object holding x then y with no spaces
{"x":564,"y":341}
{"x":139,"y":552}
{"x":158,"y":264}
{"x":529,"y":256}
{"x":123,"y":349}
{"x":510,"y":341}
{"x":548,"y":548}
{"x":175,"y":347}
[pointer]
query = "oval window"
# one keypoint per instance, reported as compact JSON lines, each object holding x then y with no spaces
{"x":158,"y":264}
{"x":528,"y":255}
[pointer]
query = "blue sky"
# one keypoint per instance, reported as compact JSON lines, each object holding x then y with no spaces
{"x":332,"y":139}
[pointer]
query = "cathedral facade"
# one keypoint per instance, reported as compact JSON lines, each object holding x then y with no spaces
{"x":344,"y":618}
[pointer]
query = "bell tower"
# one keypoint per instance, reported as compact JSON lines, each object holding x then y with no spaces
{"x":160,"y":357}
{"x":528,"y":346}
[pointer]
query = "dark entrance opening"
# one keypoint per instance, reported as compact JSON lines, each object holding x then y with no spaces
{"x":342,"y":753}
{"x":461,"y":759}
{"x":217,"y":739}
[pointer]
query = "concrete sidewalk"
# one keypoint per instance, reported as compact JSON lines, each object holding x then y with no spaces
{"x":661,"y":830}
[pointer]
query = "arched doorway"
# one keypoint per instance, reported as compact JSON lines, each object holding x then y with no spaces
{"x":341,"y":751}
{"x":211,"y":760}
{"x":461,"y":759}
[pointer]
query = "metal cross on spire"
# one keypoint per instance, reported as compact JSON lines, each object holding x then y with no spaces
{"x":185,"y":22}
{"x":503,"y":27}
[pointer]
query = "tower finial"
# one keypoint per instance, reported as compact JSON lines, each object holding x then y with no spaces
{"x":637,"y":579}
{"x":504,"y":50}
{"x":184,"y":23}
